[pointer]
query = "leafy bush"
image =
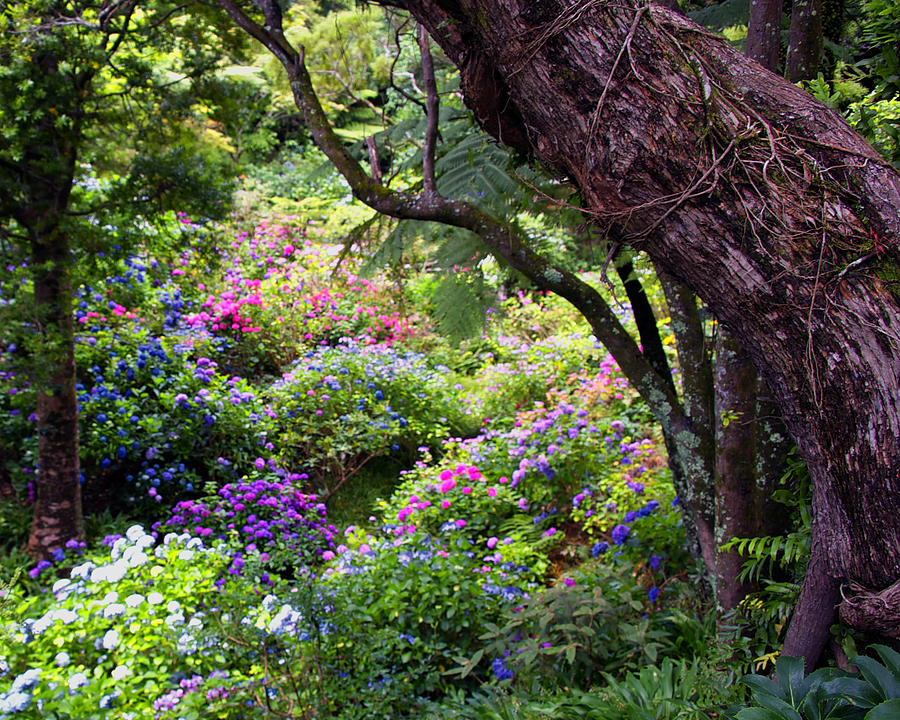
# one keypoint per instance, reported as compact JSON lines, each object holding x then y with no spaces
{"x":872,"y":694}
{"x":128,"y":626}
{"x":267,"y":524}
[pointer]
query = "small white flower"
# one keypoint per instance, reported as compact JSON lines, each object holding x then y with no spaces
{"x":173,"y":607}
{"x":62,"y":659}
{"x":135,"y":557}
{"x":118,"y":548}
{"x":155,"y":598}
{"x":111,"y":639}
{"x":77,"y":680}
{"x":42,"y":623}
{"x":26,"y":681}
{"x":110,"y":597}
{"x":82,"y":571}
{"x":134,"y":533}
{"x":113,"y":610}
{"x":120,"y":672}
{"x":134,"y":600}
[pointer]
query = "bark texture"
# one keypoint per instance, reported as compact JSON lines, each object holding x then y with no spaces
{"x":752,"y":193}
{"x":764,"y":32}
{"x":805,"y":40}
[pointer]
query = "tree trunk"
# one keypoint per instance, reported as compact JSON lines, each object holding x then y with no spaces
{"x":57,"y":503}
{"x":804,"y":51}
{"x":755,"y":195}
{"x":739,"y":500}
{"x":764,"y":32}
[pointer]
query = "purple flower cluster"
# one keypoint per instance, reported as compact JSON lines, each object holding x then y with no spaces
{"x":269,"y":520}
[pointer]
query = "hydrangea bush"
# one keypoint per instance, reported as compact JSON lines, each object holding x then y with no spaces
{"x":117,"y":635}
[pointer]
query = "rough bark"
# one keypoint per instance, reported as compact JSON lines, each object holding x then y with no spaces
{"x":739,"y":500}
{"x":805,"y":40}
{"x":695,"y":363}
{"x":764,"y":32}
{"x":769,"y":204}
{"x":47,"y":172}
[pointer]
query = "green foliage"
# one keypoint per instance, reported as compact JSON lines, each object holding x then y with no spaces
{"x":827,"y":693}
{"x":571,"y":633}
{"x":779,"y":562}
{"x":120,"y":633}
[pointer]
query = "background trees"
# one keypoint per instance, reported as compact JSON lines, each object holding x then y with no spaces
{"x":88,"y":88}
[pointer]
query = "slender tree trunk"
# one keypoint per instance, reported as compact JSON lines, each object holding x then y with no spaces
{"x":739,"y":503}
{"x":804,"y":52}
{"x":695,"y":363}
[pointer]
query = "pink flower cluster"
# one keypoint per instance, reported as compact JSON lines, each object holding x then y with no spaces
{"x":460,"y":477}
{"x":227,"y":313}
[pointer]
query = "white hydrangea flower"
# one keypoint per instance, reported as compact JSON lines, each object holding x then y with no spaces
{"x":113,"y":610}
{"x":134,"y":533}
{"x":76,"y":681}
{"x":111,"y":639}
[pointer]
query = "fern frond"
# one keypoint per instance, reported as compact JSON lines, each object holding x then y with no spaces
{"x":460,"y":306}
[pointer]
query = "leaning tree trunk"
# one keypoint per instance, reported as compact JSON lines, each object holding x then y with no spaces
{"x":755,"y":195}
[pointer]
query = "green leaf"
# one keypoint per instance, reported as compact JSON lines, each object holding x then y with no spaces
{"x":889,"y":710}
{"x":760,"y":685}
{"x":758,"y":713}
{"x":789,"y":674}
{"x":878,"y":676}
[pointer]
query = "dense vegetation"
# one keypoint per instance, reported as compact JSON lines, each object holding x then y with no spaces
{"x":333,"y":466}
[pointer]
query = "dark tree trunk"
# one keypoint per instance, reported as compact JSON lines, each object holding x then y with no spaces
{"x":764,"y":32}
{"x":804,"y":51}
{"x":740,"y":501}
{"x":57,"y":503}
{"x":48,"y":172}
{"x":695,"y":362}
{"x":755,"y":195}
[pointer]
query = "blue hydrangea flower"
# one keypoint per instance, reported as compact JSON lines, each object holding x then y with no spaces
{"x":501,"y":672}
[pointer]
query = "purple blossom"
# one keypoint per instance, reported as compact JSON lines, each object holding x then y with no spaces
{"x":619,"y":533}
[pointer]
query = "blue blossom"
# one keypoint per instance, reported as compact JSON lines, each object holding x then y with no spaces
{"x":76,"y":681}
{"x":501,"y":672}
{"x":619,"y":533}
{"x":653,"y":595}
{"x":599,"y":548}
{"x":26,"y":681}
